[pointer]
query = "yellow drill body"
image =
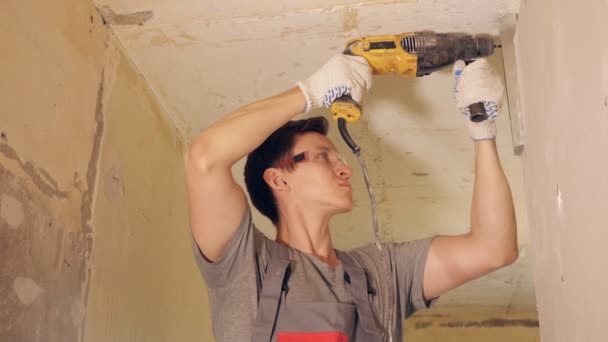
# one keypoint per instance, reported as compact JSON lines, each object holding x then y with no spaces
{"x":413,"y":54}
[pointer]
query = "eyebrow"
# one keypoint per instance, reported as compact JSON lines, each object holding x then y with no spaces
{"x":318,"y":147}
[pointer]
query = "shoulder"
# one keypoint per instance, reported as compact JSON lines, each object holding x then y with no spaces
{"x":368,"y":253}
{"x":374,"y":260}
{"x":373,"y":257}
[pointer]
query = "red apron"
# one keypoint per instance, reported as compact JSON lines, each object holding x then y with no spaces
{"x":278,"y":321}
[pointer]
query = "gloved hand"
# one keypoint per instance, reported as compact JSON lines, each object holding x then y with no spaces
{"x":341,"y":75}
{"x":477,"y":82}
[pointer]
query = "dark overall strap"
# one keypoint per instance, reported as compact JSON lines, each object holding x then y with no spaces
{"x":359,"y":291}
{"x":270,"y":298}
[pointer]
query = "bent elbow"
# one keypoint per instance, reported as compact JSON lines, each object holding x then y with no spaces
{"x":505,"y":258}
{"x":199,"y":157}
{"x":511,"y":257}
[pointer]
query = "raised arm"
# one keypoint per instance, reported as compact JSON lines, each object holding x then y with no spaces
{"x":492,"y":240}
{"x":216,"y":202}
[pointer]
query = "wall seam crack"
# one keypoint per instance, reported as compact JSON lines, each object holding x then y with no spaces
{"x":88,"y":196}
{"x":40,"y":177}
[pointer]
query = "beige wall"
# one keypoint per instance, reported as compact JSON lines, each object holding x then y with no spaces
{"x":563,"y":68}
{"x":473,"y":327}
{"x":94,"y":241}
{"x":144,"y":281}
{"x":51,"y":91}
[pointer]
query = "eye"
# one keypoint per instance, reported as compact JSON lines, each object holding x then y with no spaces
{"x":324,"y":156}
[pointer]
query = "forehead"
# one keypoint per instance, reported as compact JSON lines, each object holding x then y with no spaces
{"x":311,"y":140}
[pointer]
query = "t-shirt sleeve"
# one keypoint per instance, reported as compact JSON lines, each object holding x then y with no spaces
{"x":239,"y":254}
{"x":409,"y":260}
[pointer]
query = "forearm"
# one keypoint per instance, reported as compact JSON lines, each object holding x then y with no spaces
{"x":493,"y":224}
{"x":240,"y":132}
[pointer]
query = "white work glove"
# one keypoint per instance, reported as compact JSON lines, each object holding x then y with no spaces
{"x":341,"y":75}
{"x":477,"y":82}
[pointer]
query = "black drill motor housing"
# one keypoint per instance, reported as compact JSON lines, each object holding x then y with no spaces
{"x":438,"y":50}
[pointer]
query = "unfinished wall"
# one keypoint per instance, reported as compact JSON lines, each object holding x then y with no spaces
{"x":563,"y":70}
{"x":144,"y":285}
{"x":94,"y":241}
{"x":471,"y":327}
{"x":51,"y":92}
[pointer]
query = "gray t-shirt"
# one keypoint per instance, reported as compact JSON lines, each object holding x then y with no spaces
{"x":235,"y":281}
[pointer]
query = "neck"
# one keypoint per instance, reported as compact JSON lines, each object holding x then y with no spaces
{"x":307,"y":232}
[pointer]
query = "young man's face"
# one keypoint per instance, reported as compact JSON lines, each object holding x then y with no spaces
{"x":320,"y":178}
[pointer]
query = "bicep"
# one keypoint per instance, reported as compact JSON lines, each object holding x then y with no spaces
{"x":216,"y":205}
{"x":451,"y":262}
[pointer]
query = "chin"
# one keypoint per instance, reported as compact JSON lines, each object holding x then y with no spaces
{"x":340,"y":204}
{"x":347,"y":210}
{"x":346,"y":207}
{"x":341,"y":211}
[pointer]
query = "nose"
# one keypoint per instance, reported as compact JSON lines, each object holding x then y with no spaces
{"x":344,"y":171}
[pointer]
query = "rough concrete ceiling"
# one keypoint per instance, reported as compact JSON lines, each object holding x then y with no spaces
{"x":204,"y":58}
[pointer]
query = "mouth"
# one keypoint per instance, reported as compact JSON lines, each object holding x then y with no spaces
{"x":346,"y":185}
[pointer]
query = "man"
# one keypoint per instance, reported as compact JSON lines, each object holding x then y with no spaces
{"x":299,"y":288}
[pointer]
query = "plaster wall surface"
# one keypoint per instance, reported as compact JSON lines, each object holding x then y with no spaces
{"x":94,"y":243}
{"x":51,"y":90}
{"x":144,"y":283}
{"x":565,"y":111}
{"x":473,"y":327}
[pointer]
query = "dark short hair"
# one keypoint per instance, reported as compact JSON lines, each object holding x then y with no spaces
{"x":274,"y":149}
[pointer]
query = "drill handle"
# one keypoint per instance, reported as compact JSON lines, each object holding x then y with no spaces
{"x":346,"y":108}
{"x":477,"y":109}
{"x":478,"y":112}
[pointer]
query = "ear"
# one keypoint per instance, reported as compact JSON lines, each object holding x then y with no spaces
{"x":275,"y":180}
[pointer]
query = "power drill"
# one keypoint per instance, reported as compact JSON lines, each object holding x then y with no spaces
{"x":414,"y":54}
